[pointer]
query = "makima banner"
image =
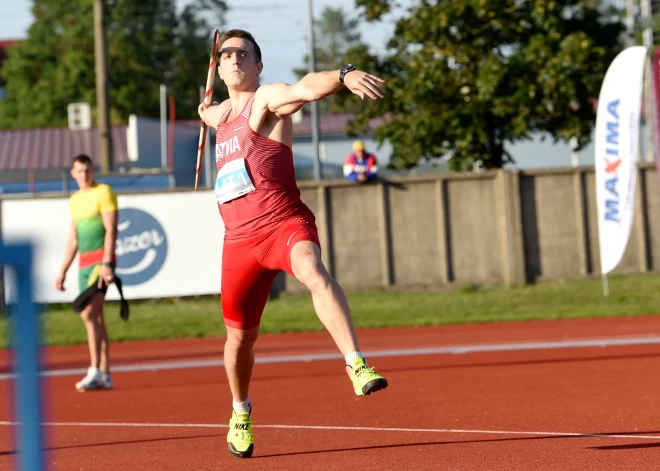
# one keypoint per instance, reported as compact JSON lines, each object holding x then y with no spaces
{"x":616,"y":146}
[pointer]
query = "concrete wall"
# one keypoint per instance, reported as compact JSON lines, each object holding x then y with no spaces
{"x":494,"y":228}
{"x":504,"y":227}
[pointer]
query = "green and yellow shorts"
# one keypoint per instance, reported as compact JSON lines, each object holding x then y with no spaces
{"x":87,"y":276}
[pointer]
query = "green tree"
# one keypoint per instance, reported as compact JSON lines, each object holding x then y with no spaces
{"x":149,"y":43}
{"x":466,"y":77}
{"x":336,"y":38}
{"x":655,"y":19}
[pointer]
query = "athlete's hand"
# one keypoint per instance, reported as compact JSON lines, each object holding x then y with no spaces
{"x":106,"y":276}
{"x":364,"y":85}
{"x":200,"y":110}
{"x":59,"y":281}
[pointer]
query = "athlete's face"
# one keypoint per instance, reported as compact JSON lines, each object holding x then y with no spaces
{"x":237,"y":64}
{"x":83,"y":174}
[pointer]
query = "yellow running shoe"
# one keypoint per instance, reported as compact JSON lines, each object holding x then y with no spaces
{"x":365,"y":380}
{"x":239,"y":439}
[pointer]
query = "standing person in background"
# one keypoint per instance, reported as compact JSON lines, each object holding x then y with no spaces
{"x":93,"y":233}
{"x":268,"y":227}
{"x":360,"y":166}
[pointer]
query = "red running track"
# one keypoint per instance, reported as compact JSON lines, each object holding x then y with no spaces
{"x":518,"y":410}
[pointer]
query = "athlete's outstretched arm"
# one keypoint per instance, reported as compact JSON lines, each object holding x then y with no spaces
{"x":283,"y":99}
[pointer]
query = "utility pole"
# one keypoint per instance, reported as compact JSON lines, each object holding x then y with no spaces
{"x":163,"y":126}
{"x":647,"y":36}
{"x":102,"y":93}
{"x":318,"y":174}
{"x":630,"y":22}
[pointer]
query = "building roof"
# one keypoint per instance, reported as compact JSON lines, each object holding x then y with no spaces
{"x":53,"y":148}
{"x":5,"y":43}
{"x":330,"y":123}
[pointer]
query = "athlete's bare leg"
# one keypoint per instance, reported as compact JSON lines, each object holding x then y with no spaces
{"x":104,"y":357}
{"x":97,"y":336}
{"x":329,"y":299}
{"x":239,"y":360}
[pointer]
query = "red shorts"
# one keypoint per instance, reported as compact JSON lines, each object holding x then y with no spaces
{"x":250,"y":266}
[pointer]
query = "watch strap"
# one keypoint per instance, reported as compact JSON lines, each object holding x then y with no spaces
{"x":346,"y":68}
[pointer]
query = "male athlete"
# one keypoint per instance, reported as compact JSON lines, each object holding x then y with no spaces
{"x":267,"y":226}
{"x":93,"y":233}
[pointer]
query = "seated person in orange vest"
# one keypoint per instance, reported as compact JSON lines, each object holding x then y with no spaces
{"x":360,"y":166}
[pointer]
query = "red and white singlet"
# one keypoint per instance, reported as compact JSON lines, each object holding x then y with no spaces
{"x":256,"y":185}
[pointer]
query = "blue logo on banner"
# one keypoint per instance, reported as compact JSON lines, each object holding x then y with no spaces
{"x":612,"y":163}
{"x":141,"y":246}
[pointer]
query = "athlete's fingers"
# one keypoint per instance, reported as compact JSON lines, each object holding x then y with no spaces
{"x":371,"y":89}
{"x":374,"y":87}
{"x":370,"y":92}
{"x":360,"y":90}
{"x":377,"y":79}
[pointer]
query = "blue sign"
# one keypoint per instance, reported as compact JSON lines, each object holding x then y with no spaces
{"x":141,"y":246}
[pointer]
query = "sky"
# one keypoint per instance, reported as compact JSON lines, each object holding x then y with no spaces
{"x":279,"y":26}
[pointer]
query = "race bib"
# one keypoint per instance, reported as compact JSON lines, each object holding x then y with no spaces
{"x":232,"y":181}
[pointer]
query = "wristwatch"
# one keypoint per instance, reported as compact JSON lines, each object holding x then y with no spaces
{"x":346,"y":68}
{"x":107,"y":264}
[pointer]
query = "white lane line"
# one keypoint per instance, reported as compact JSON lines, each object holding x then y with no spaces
{"x":447,"y":350}
{"x":354,"y":429}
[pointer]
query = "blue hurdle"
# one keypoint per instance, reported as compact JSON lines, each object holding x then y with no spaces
{"x":26,"y":330}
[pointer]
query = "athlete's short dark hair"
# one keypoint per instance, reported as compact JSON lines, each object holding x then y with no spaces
{"x":241,"y":34}
{"x":83,"y":159}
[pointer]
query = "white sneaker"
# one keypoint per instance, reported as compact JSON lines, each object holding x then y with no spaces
{"x":93,"y":380}
{"x":106,"y":381}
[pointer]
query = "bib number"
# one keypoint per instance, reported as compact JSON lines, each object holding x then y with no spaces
{"x":232,"y":181}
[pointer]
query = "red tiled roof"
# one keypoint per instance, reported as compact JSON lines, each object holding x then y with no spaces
{"x":334,"y":123}
{"x":5,"y":43}
{"x":331,"y":123}
{"x":53,"y":148}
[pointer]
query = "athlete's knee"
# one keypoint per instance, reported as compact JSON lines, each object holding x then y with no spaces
{"x":90,"y":315}
{"x":93,"y":312}
{"x":313,"y":274}
{"x":238,"y":339}
{"x":309,"y":270}
{"x":317,"y":280}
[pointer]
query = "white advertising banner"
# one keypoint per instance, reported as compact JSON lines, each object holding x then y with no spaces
{"x":168,"y":244}
{"x":616,"y":145}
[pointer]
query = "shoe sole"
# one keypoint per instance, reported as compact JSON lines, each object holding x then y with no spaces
{"x":374,"y":386}
{"x":100,"y":388}
{"x":241,"y":454}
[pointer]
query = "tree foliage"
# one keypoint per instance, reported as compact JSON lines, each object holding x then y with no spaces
{"x":464,"y":78}
{"x":149,"y":43}
{"x":336,"y":37}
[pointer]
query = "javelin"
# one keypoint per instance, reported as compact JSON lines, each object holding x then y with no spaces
{"x":208,"y":96}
